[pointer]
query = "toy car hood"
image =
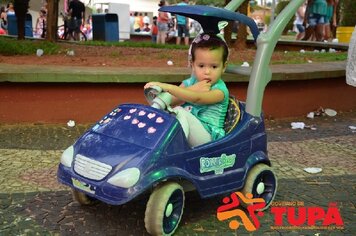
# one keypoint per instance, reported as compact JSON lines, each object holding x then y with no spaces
{"x":129,"y":132}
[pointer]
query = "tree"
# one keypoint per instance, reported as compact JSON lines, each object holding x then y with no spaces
{"x":52,"y":20}
{"x":242,"y":33}
{"x":240,"y":42}
{"x":347,"y":13}
{"x":21,"y":8}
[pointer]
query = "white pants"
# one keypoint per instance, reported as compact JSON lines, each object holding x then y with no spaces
{"x":194,"y":130}
{"x":351,"y":61}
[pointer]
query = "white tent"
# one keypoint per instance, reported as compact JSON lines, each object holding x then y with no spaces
{"x":149,"y":6}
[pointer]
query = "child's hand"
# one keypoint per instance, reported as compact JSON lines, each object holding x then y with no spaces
{"x":201,"y":86}
{"x":150,"y":84}
{"x":163,"y":86}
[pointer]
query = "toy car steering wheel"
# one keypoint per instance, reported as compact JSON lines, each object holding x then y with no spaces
{"x":157,"y":98}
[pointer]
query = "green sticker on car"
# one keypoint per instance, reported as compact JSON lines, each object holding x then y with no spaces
{"x":217,"y":164}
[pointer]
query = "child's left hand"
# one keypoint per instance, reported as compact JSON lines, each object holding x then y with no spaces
{"x":163,"y":86}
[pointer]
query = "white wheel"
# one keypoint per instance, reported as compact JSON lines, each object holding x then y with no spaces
{"x":164,"y":209}
{"x":261,"y":181}
{"x":82,"y":198}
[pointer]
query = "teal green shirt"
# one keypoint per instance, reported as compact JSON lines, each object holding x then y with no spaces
{"x":212,"y":116}
{"x":329,"y":13}
{"x":319,"y":7}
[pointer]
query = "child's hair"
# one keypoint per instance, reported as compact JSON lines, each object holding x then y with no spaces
{"x":209,"y":41}
{"x":162,"y":3}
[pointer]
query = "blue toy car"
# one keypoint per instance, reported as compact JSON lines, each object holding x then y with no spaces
{"x":138,"y":149}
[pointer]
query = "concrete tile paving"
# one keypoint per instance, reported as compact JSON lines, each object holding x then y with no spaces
{"x":33,"y":203}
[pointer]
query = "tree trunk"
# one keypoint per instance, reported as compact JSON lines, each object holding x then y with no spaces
{"x":21,"y":7}
{"x":240,"y":42}
{"x":228,"y":29}
{"x":52,"y":20}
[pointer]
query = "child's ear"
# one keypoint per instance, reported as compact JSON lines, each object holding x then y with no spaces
{"x":224,"y":66}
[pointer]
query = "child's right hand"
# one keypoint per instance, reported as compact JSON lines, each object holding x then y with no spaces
{"x":201,"y":86}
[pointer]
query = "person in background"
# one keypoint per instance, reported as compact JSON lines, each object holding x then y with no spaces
{"x":77,"y":13}
{"x":3,"y":20}
{"x":10,"y":9}
{"x":41,"y":24}
{"x":132,"y":22}
{"x":182,"y":26}
{"x":315,"y":19}
{"x":299,"y":20}
{"x":351,"y":61}
{"x":137,"y":27}
{"x":154,"y":30}
{"x":146,"y":19}
{"x":146,"y":23}
{"x":140,"y":16}
{"x":330,"y":19}
{"x":201,"y":101}
{"x":162,"y":24}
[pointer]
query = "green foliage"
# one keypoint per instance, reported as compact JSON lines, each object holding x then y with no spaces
{"x":11,"y":46}
{"x":348,"y":12}
{"x":298,"y":58}
{"x":279,"y":8}
{"x":217,"y":3}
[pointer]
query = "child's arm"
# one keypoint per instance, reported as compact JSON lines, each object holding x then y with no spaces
{"x":199,"y":93}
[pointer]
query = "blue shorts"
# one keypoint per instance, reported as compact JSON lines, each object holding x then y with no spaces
{"x":183,"y":29}
{"x":316,"y":19}
{"x":300,"y":28}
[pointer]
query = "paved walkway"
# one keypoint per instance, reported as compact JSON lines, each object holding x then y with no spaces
{"x":33,"y":203}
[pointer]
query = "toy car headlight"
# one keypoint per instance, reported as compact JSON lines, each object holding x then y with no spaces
{"x":126,"y":178}
{"x":67,"y":156}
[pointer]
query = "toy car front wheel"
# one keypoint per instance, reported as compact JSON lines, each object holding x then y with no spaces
{"x":261,"y":181}
{"x":164,"y":209}
{"x":82,"y":198}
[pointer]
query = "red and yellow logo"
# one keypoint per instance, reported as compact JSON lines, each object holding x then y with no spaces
{"x":250,"y":222}
{"x":298,"y":216}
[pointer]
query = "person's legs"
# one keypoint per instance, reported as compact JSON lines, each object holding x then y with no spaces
{"x":310,"y":29}
{"x":309,"y":32}
{"x":163,"y":37}
{"x":327,"y":32}
{"x":319,"y":30}
{"x":179,"y":35}
{"x":186,"y":41}
{"x":301,"y":31}
{"x":194,"y":131}
{"x":186,"y":35}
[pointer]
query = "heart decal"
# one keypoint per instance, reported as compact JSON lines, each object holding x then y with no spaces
{"x":159,"y":120}
{"x":151,"y":115}
{"x":151,"y":130}
{"x":141,"y":125}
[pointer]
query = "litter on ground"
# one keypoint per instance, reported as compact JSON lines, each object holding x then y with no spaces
{"x":313,"y":170}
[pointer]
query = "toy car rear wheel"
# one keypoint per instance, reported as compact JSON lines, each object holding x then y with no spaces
{"x":261,"y":181}
{"x":82,"y":198}
{"x":164,"y":209}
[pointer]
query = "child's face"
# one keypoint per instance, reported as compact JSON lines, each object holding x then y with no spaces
{"x":208,"y":64}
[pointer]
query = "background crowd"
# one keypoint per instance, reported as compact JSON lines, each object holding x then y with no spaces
{"x":316,"y":19}
{"x":165,"y":26}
